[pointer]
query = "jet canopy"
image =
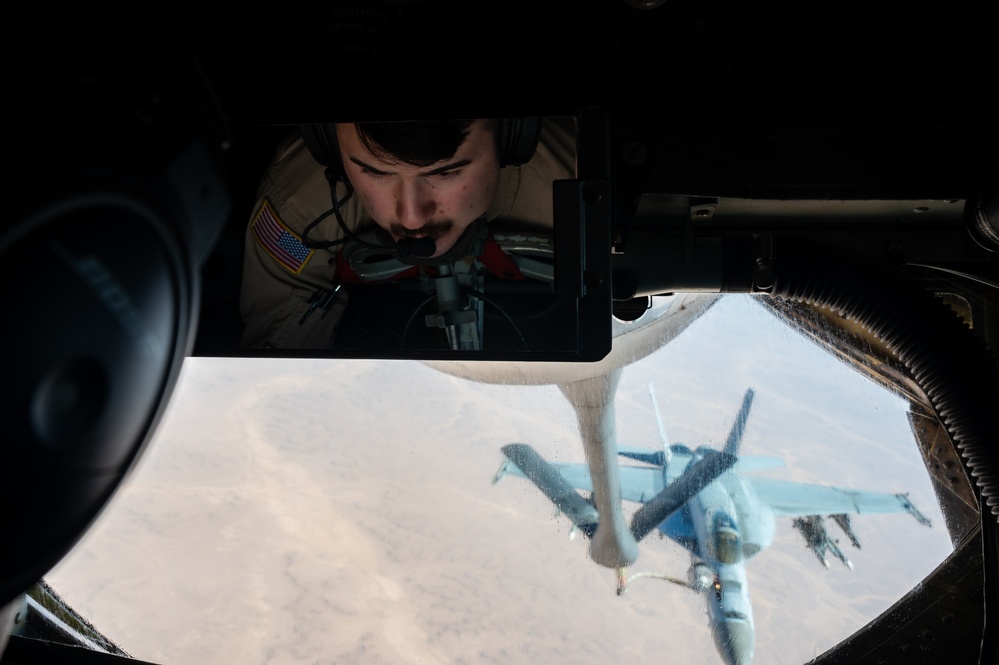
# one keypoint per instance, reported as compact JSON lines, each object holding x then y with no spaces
{"x":725,"y":544}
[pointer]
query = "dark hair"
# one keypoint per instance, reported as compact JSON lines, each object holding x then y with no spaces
{"x":420,"y":143}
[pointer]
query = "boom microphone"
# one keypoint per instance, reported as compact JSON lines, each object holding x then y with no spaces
{"x":421,"y":247}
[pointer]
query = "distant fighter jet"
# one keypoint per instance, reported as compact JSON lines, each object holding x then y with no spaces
{"x":698,"y":497}
{"x":702,"y":499}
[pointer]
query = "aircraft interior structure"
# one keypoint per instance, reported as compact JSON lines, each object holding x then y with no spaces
{"x":840,"y":163}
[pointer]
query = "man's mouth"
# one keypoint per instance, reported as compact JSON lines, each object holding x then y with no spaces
{"x":435,"y":230}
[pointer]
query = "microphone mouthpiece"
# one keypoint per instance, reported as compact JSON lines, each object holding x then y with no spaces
{"x":422,"y":247}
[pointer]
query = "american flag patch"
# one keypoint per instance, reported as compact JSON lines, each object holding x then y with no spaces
{"x":277,"y":240}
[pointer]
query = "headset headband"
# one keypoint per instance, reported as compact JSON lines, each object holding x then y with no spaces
{"x":517,"y":142}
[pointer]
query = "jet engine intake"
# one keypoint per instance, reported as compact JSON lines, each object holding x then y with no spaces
{"x":701,"y":576}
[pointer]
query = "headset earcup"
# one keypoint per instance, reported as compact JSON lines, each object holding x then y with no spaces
{"x":518,"y":140}
{"x":320,"y":139}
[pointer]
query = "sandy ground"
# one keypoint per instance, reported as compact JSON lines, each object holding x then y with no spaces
{"x":342,"y":512}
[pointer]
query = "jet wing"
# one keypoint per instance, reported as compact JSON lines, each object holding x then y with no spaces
{"x":638,"y":484}
{"x":524,"y":461}
{"x":577,"y":475}
{"x":799,"y":499}
{"x":757,"y":463}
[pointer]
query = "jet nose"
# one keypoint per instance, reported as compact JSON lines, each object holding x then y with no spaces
{"x":735,"y":641}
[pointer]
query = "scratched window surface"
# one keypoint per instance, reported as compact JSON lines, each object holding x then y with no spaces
{"x":293,"y":511}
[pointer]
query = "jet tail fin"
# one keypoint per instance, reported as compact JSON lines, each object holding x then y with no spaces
{"x":502,"y":471}
{"x":739,"y":426}
{"x":676,"y":494}
{"x":663,"y":439}
{"x":551,"y":483}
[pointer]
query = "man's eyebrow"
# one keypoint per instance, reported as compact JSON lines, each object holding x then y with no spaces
{"x":368,"y":167}
{"x":457,"y":164}
{"x":450,"y":166}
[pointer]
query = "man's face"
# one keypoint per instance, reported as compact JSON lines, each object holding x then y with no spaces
{"x":440,"y":200}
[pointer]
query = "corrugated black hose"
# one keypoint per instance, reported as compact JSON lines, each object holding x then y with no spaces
{"x":949,"y":361}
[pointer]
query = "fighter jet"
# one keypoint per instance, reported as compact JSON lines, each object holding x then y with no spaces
{"x":707,"y":501}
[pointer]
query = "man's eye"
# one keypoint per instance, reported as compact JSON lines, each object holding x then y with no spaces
{"x":371,"y":174}
{"x":449,"y":174}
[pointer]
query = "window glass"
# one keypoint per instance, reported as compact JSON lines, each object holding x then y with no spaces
{"x":294,"y":511}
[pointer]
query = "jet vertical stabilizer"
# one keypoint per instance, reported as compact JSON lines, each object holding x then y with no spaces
{"x":667,"y":453}
{"x":551,"y":483}
{"x":739,"y":426}
{"x":697,"y":476}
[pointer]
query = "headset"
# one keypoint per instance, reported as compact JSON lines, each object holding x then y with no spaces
{"x":516,"y":141}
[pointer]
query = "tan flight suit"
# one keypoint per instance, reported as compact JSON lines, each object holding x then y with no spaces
{"x":281,"y":276}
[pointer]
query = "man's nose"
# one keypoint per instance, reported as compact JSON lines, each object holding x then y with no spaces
{"x":415,"y":205}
